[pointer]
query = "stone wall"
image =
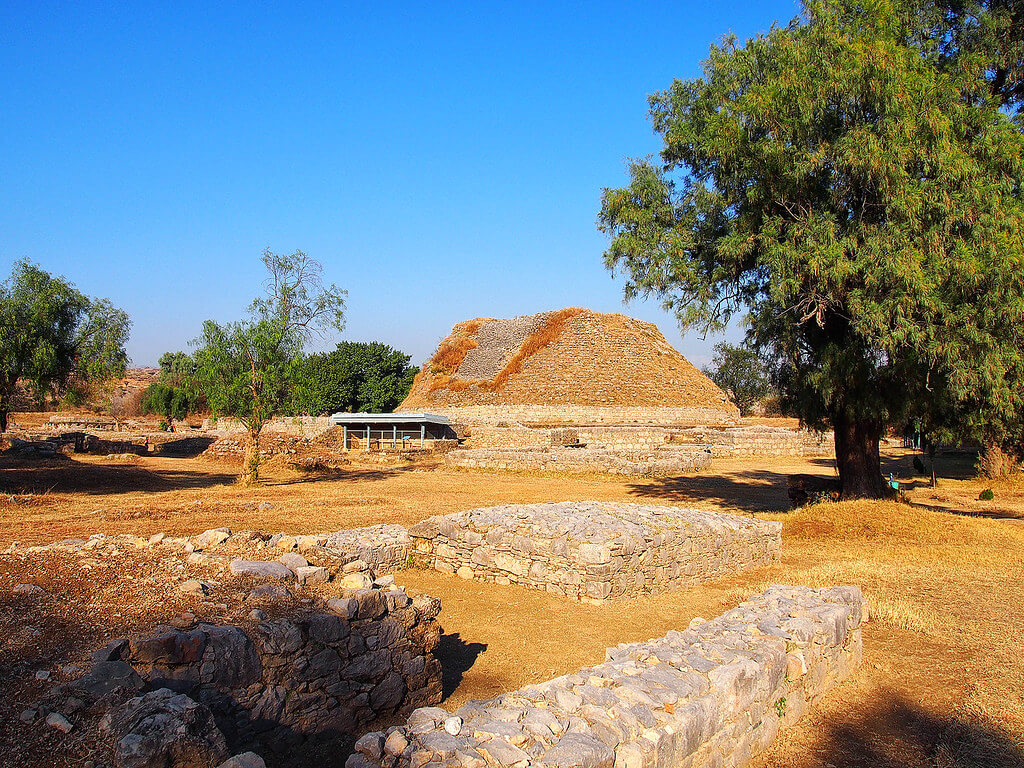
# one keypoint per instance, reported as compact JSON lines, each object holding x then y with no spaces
{"x":558,"y":415}
{"x":721,"y":440}
{"x":581,"y":461}
{"x":591,"y":550}
{"x":299,"y":426}
{"x":283,"y":680}
{"x":711,"y":696}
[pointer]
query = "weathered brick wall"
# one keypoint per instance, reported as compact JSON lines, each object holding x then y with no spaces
{"x":581,"y":461}
{"x":711,"y":696}
{"x":593,"y":550}
{"x":300,"y":426}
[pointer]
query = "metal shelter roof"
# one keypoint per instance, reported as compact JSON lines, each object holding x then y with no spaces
{"x":389,"y":418}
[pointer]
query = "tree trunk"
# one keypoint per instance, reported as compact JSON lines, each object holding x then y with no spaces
{"x":3,"y":421}
{"x":251,"y":474}
{"x":860,"y":467}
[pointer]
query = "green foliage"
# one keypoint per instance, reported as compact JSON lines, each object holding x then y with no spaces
{"x":859,"y":197}
{"x":246,"y":368}
{"x":172,"y":403}
{"x":741,"y":373}
{"x":176,"y":368}
{"x":355,"y":377}
{"x":50,"y":334}
{"x":986,"y":495}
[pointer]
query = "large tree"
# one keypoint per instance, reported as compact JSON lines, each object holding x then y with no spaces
{"x":357,"y":376}
{"x":855,"y":188}
{"x":246,"y":368}
{"x":51,"y":333}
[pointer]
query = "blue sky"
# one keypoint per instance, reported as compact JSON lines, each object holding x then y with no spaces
{"x":443,"y":161}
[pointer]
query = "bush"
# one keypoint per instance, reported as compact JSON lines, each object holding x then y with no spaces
{"x":986,"y":495}
{"x":355,"y":377}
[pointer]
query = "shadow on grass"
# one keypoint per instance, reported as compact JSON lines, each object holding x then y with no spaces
{"x":65,"y":475}
{"x":755,"y":490}
{"x":897,"y":733}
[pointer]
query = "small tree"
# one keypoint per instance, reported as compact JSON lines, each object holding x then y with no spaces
{"x":741,"y":373}
{"x":168,"y":402}
{"x":246,"y":368}
{"x":50,"y":334}
{"x":356,"y":376}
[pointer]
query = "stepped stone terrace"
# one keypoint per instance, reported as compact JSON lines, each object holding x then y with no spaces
{"x":593,"y":551}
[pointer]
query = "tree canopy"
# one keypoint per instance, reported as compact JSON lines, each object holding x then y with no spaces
{"x":246,"y":368}
{"x":741,"y":373}
{"x":51,"y":333}
{"x":355,"y":377}
{"x":852,"y":183}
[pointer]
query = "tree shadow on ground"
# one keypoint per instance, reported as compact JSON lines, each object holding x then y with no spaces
{"x":456,"y":657}
{"x":896,"y":733}
{"x":65,"y":475}
{"x":755,"y":490}
{"x":341,"y":474}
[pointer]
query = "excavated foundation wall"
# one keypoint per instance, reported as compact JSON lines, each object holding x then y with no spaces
{"x":711,"y":696}
{"x":594,"y":551}
{"x":560,"y":415}
{"x":281,"y":681}
{"x":581,"y":461}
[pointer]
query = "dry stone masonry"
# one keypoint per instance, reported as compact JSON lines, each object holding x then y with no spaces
{"x":581,"y":461}
{"x":593,"y":551}
{"x":713,"y":695}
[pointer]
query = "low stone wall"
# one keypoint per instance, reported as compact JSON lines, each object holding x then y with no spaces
{"x":384,"y":548}
{"x":298,"y":426}
{"x":280,"y":681}
{"x":720,"y":440}
{"x":713,"y":695}
{"x":594,"y":550}
{"x":581,"y":461}
{"x":564,"y":415}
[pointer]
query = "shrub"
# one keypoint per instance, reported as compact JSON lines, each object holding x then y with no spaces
{"x":986,"y":495}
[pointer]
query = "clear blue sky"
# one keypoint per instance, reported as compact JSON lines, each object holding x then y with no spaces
{"x":443,"y":161}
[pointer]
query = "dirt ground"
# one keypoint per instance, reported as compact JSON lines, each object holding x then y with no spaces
{"x":942,"y":683}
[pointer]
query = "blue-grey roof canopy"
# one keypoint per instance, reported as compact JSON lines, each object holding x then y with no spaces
{"x":388,"y":418}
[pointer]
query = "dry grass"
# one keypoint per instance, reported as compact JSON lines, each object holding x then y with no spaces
{"x":450,"y":354}
{"x":943,"y":673}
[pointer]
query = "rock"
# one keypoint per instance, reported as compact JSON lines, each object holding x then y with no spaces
{"x":27,"y":589}
{"x":70,"y":670}
{"x":579,"y":750}
{"x":355,"y":581}
{"x":235,"y":663}
{"x":244,"y":760}
{"x":464,"y":572}
{"x":211,"y":537}
{"x":384,"y":582}
{"x":260,"y":569}
{"x":192,"y":587}
{"x":355,"y":566}
{"x":110,"y":652}
{"x":453,"y":725}
{"x":108,"y":678}
{"x":164,"y":730}
{"x":346,"y":607}
{"x":157,"y":538}
{"x":264,"y":506}
{"x":293,"y":561}
{"x":306,"y":543}
{"x":42,"y":674}
{"x":312,"y":574}
{"x":371,"y":745}
{"x":257,"y":615}
{"x":268,"y":593}
{"x":28,"y":716}
{"x":58,"y":721}
{"x":197,"y":558}
{"x":395,"y":743}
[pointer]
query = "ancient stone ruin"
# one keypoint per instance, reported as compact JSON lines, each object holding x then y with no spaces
{"x":715,"y":694}
{"x":593,"y":550}
{"x":565,"y":367}
{"x":281,"y":681}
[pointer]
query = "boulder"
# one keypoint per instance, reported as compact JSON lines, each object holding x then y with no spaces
{"x":260,"y":569}
{"x":211,"y":537}
{"x":164,"y":730}
{"x":244,"y":760}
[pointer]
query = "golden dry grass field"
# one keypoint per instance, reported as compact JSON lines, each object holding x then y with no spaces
{"x":942,"y":682}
